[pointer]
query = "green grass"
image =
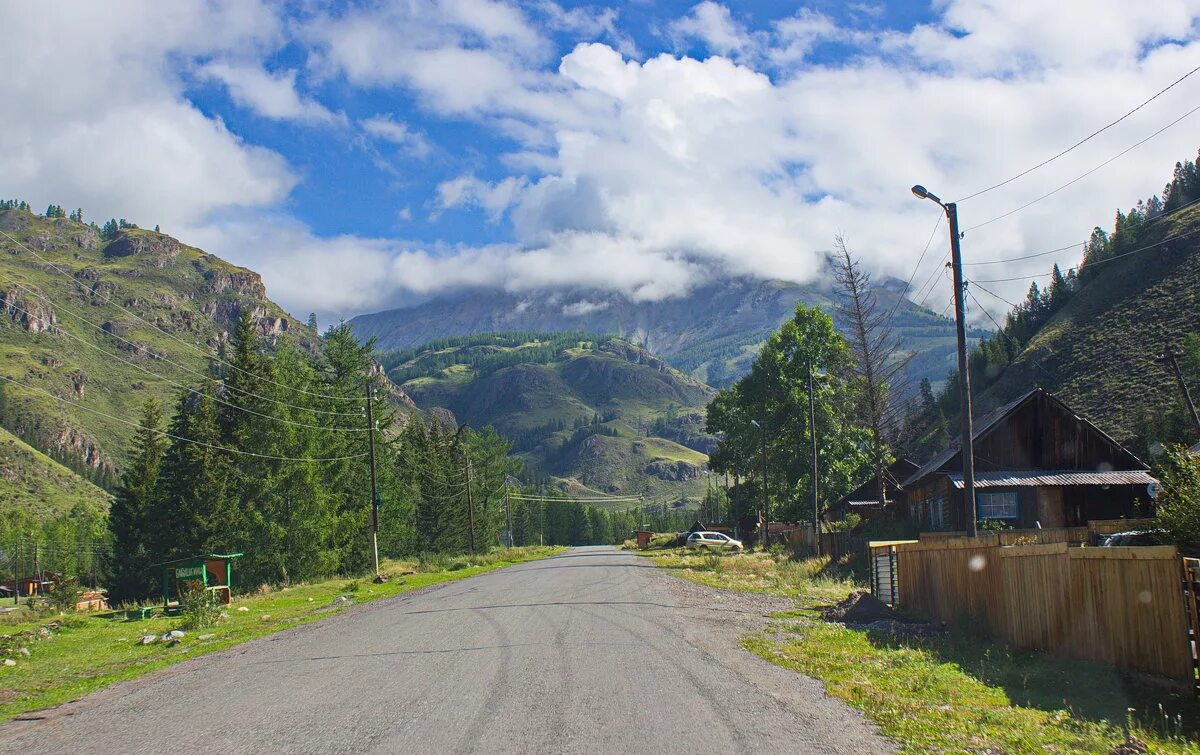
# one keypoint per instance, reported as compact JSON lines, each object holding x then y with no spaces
{"x":954,"y":692}
{"x":90,"y":652}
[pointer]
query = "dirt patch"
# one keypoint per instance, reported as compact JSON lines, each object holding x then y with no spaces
{"x":861,"y":607}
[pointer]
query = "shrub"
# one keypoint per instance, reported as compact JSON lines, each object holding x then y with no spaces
{"x":199,"y":607}
{"x":1179,"y":502}
{"x":65,"y":594}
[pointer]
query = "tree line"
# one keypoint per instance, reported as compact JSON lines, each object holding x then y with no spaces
{"x":297,"y":500}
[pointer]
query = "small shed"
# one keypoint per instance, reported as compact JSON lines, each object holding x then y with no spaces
{"x":643,"y":539}
{"x":864,"y":500}
{"x":1037,"y":463}
{"x":212,"y":572}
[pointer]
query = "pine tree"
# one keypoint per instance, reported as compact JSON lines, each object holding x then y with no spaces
{"x":194,"y":511}
{"x":136,"y":543}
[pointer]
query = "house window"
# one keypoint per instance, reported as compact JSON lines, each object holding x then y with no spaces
{"x":997,"y":505}
{"x":936,"y":508}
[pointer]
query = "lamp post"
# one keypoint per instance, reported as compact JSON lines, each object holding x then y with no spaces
{"x":966,"y":444}
{"x":766,"y":495}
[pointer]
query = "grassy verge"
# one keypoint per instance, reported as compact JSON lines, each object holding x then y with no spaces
{"x":87,"y":653}
{"x":953,"y":692}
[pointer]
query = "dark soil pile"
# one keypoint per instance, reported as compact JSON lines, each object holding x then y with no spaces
{"x":861,"y":607}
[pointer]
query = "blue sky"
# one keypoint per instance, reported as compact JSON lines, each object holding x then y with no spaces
{"x":363,"y":155}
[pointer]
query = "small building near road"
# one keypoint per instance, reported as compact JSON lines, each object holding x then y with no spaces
{"x":1037,"y":463}
{"x":864,"y":500}
{"x":212,"y":572}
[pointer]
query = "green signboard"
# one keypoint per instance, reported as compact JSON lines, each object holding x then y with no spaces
{"x":190,"y":572}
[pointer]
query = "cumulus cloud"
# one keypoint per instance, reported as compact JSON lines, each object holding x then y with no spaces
{"x":271,"y":95}
{"x":96,"y":119}
{"x":640,"y":175}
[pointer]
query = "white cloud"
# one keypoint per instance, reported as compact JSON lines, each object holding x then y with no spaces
{"x":712,"y":24}
{"x":389,"y":129}
{"x":102,"y":122}
{"x":271,"y":95}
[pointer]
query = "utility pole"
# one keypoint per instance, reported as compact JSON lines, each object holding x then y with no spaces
{"x":766,"y":534}
{"x":508,"y":514}
{"x":967,"y":440}
{"x":470,"y":502}
{"x":812,"y":430}
{"x":1172,"y":357}
{"x":375,"y":501}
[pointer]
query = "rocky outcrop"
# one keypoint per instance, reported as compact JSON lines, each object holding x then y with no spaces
{"x":242,"y":282}
{"x":74,"y":444}
{"x":28,"y":312}
{"x":672,"y":471}
{"x":151,"y":246}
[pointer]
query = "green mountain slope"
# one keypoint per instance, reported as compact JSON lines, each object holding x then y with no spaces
{"x":63,"y":330}
{"x":1099,"y":352}
{"x":597,"y":414}
{"x":713,"y":333}
{"x":33,"y":484}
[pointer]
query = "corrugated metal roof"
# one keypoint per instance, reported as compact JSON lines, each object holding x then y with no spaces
{"x":1050,"y":478}
{"x":985,"y":424}
{"x":872,"y":502}
{"x":1195,"y":449}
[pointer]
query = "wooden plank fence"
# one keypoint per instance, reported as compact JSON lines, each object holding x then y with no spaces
{"x":1123,"y":606}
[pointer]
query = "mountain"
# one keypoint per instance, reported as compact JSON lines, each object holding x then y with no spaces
{"x":1099,"y":351}
{"x":594,"y":414}
{"x":713,"y":333}
{"x":95,"y":322}
{"x":34,"y":485}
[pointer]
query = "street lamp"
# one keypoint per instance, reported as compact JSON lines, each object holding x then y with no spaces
{"x":766,"y":496}
{"x":967,"y":442}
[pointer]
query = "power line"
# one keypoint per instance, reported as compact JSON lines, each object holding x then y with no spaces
{"x":193,"y":347}
{"x":1085,"y":175}
{"x":1153,"y":220}
{"x":173,"y":436}
{"x":1000,"y":332}
{"x":929,"y":284}
{"x":139,"y":348}
{"x":1084,"y":140}
{"x":1097,"y":263}
{"x":920,"y":259}
{"x":189,"y":388}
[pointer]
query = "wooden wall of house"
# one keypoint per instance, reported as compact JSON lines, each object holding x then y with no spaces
{"x":1043,"y":435}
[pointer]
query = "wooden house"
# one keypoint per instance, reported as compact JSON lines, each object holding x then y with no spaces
{"x":864,"y":500}
{"x":1037,"y":463}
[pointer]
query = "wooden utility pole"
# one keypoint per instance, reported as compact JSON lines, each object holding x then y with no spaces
{"x":470,"y":502}
{"x":967,"y":441}
{"x":374,"y":485}
{"x":508,"y":514}
{"x":812,"y":431}
{"x":1173,"y":359}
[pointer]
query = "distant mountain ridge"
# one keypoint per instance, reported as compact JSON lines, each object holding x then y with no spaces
{"x":713,"y":333}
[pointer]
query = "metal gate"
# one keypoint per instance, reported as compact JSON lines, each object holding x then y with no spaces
{"x":883,"y":575}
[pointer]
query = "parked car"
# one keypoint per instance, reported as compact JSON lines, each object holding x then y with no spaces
{"x":714,"y":540}
{"x":1135,"y":537}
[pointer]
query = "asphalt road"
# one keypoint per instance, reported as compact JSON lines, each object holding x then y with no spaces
{"x":593,"y":650}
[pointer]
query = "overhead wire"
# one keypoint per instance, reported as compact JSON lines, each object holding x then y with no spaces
{"x":1097,"y":263}
{"x":1082,"y":141}
{"x":1148,"y":223}
{"x":217,"y":399}
{"x":140,"y":348}
{"x":192,"y":346}
{"x":913,"y":275}
{"x":1079,"y":178}
{"x":179,"y":438}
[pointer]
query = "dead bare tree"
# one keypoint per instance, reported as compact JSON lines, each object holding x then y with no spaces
{"x":878,"y":360}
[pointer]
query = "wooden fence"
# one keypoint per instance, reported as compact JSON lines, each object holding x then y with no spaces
{"x":1090,"y":535}
{"x":1123,"y":606}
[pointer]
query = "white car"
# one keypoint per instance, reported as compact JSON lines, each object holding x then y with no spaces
{"x":714,"y":540}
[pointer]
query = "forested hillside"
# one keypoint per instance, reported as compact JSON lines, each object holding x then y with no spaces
{"x":94,"y":319}
{"x":592,"y":413}
{"x":1094,"y":334}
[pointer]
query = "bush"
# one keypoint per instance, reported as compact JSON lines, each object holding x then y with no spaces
{"x":1179,"y":502}
{"x":65,"y":594}
{"x":199,"y":607}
